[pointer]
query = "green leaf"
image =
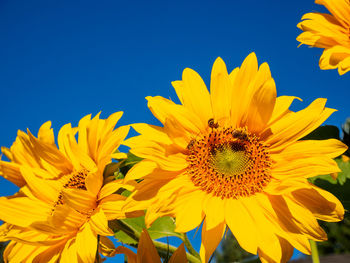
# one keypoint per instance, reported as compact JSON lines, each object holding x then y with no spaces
{"x":323,"y":133}
{"x":345,"y":173}
{"x":342,"y":176}
{"x":132,"y":159}
{"x":122,"y":237}
{"x":325,"y":177}
{"x":162,"y":227}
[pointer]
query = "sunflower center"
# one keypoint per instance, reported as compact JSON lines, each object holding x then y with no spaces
{"x":229,"y":163}
{"x":75,"y":180}
{"x":229,"y":159}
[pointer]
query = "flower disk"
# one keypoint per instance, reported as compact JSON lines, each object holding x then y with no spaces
{"x":229,"y":163}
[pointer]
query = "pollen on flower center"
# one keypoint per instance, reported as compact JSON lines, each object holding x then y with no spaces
{"x":229,"y":159}
{"x":229,"y":163}
{"x":76,"y":180}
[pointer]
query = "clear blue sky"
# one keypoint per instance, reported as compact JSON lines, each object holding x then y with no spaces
{"x":61,"y":60}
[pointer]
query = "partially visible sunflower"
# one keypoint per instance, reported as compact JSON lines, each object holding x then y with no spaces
{"x":331,"y":32}
{"x":233,"y":158}
{"x":147,"y":252}
{"x":63,"y":204}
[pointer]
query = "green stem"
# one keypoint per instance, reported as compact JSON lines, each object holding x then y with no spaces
{"x":189,"y":246}
{"x":97,"y":258}
{"x":314,"y":252}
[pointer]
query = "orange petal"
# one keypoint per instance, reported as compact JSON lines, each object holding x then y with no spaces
{"x":179,"y":256}
{"x":210,"y":240}
{"x":146,"y":251}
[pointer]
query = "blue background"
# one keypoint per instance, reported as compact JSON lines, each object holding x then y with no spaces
{"x":62,"y":60}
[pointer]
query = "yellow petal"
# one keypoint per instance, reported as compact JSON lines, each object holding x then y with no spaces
{"x":22,"y":211}
{"x":64,"y":219}
{"x":307,"y":167}
{"x":110,"y":145}
{"x":189,"y":213}
{"x":86,"y":243}
{"x":10,"y":171}
{"x":94,"y":181}
{"x":112,"y":206}
{"x":119,"y":156}
{"x":271,"y":225}
{"x":242,"y":89}
{"x":18,"y":252}
{"x":339,"y":8}
{"x":275,"y":249}
{"x":294,"y":126}
{"x":164,"y":109}
{"x":69,"y":252}
{"x":332,"y":57}
{"x":210,"y":240}
{"x":194,"y":94}
{"x":83,"y":133}
{"x":157,"y":153}
{"x":112,"y":187}
{"x":214,"y":211}
{"x":48,"y":153}
{"x":152,"y":132}
{"x":45,"y":133}
{"x":99,"y":223}
{"x":322,"y":204}
{"x":46,"y":190}
{"x":220,"y":92}
{"x":140,"y":170}
{"x":330,"y":148}
{"x":296,"y":218}
{"x":261,"y":106}
{"x":344,"y":66}
{"x":241,"y":225}
{"x":79,"y":199}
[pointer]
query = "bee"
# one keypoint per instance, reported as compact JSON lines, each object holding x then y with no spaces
{"x":212,"y":124}
{"x":190,"y":144}
{"x":240,"y":135}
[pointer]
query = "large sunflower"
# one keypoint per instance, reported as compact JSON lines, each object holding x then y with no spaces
{"x":63,"y":204}
{"x":233,"y":157}
{"x":331,"y":32}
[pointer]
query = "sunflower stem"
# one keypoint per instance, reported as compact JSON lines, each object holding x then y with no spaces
{"x":314,"y":252}
{"x":189,"y":246}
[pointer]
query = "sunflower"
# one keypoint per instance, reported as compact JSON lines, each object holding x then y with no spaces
{"x":331,"y":32}
{"x":63,"y":205}
{"x":233,"y":158}
{"x":147,"y":252}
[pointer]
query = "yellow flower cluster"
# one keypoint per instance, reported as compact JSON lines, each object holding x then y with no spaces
{"x":331,"y":32}
{"x":228,"y":158}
